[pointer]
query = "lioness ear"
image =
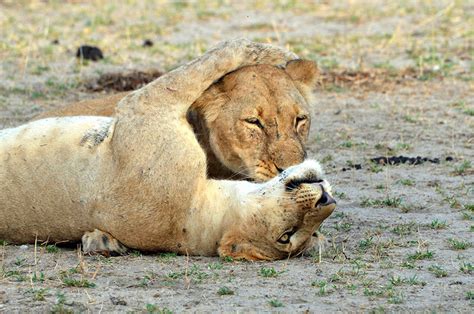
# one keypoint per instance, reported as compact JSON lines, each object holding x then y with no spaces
{"x":305,"y":74}
{"x":210,"y":102}
{"x":233,"y":244}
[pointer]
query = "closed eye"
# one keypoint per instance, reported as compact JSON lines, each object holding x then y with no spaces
{"x":254,"y":121}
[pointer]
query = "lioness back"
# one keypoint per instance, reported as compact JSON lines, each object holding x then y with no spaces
{"x":58,"y":159}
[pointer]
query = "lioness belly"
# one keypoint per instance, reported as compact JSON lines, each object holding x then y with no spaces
{"x":52,"y":177}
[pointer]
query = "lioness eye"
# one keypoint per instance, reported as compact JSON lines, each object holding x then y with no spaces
{"x":254,"y":121}
{"x":285,"y":237}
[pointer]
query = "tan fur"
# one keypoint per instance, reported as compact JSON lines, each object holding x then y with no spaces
{"x":141,"y":177}
{"x":234,"y":148}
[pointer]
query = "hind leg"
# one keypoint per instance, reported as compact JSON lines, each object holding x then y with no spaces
{"x":98,"y":242}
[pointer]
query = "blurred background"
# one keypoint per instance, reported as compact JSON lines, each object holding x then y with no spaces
{"x":40,"y":39}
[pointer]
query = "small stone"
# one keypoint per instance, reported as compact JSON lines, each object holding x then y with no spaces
{"x":24,"y":247}
{"x":449,"y":158}
{"x":55,"y":42}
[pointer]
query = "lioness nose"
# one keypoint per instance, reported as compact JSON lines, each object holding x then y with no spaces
{"x":325,"y":200}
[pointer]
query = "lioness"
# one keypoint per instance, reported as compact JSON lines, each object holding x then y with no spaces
{"x":253,"y":123}
{"x":140,"y":178}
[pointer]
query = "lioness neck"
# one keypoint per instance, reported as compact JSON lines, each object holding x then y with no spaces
{"x":219,"y":205}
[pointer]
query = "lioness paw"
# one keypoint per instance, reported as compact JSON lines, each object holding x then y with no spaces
{"x":98,"y":242}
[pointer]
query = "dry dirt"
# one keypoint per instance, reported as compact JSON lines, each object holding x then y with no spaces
{"x":397,"y":80}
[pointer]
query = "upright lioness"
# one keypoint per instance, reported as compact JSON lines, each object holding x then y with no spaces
{"x":108,"y":179}
{"x":252,"y":123}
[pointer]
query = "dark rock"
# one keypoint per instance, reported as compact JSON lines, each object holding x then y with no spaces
{"x":403,"y":159}
{"x":379,"y":160}
{"x":89,"y":53}
{"x":449,"y":158}
{"x":147,"y":43}
{"x":122,"y":81}
{"x":55,"y":42}
{"x":358,"y":166}
{"x":394,"y":160}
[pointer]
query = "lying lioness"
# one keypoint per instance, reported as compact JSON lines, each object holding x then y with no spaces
{"x":139,"y":180}
{"x":253,"y":123}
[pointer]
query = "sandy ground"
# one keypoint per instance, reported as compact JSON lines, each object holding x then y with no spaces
{"x":397,"y":80}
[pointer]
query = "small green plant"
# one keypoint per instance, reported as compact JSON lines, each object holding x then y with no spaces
{"x":52,"y":248}
{"x":388,"y":202}
{"x":268,"y":272}
{"x":437,"y":224}
{"x":438,"y":271}
{"x":470,"y":295}
{"x":39,"y":294}
{"x":3,"y":243}
{"x":419,"y":255}
{"x":175,"y":275}
{"x":469,"y":112}
{"x":413,"y":281}
{"x":410,"y":119}
{"x":397,"y":281}
{"x":322,"y":285}
{"x":228,"y":259}
{"x":406,"y":182}
{"x":343,"y":226}
{"x":225,"y":291}
{"x":467,"y":216}
{"x":469,"y":207}
{"x":154,"y":309}
{"x":15,"y":275}
{"x":59,"y":306}
{"x":215,"y":266}
{"x":402,"y":146}
{"x":166,"y":257}
{"x":396,"y":298}
{"x":136,"y":253}
{"x":466,"y":268}
{"x":366,"y":243}
{"x":452,"y":201}
{"x":408,"y":264}
{"x":375,"y":168}
{"x":79,"y":283}
{"x":275,"y":303}
{"x":340,"y":195}
{"x":463,"y":167}
{"x":37,"y":278}
{"x":459,"y":244}
{"x":347,"y":144}
{"x":404,"y":229}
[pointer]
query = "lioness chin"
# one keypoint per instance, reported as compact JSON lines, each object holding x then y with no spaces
{"x":252,"y":123}
{"x":114,"y":183}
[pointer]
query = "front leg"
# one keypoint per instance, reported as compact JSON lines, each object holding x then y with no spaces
{"x":99,"y":242}
{"x":182,"y":86}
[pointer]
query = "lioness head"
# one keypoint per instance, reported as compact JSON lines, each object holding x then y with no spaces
{"x":256,"y":120}
{"x":283,"y":216}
